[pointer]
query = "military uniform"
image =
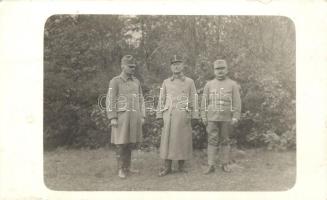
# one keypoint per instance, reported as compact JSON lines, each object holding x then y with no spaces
{"x":126,"y":104}
{"x":220,"y":104}
{"x":177,"y":106}
{"x":128,"y":107}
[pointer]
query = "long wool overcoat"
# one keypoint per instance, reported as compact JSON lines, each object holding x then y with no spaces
{"x":177,"y":106}
{"x":125,"y":103}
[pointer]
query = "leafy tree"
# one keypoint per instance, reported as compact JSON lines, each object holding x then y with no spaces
{"x":82,"y":53}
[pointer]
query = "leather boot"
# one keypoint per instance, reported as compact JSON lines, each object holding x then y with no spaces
{"x":167,"y":168}
{"x":120,"y":161}
{"x":210,"y":169}
{"x":212,"y":152}
{"x":226,"y":168}
{"x":128,"y":162}
{"x":121,"y":173}
{"x":181,"y":166}
{"x":225,"y":153}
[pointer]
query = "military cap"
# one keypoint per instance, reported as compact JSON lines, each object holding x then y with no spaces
{"x":220,"y":63}
{"x":176,"y":58}
{"x":128,"y":60}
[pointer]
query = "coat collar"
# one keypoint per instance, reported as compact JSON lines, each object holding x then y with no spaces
{"x":125,"y":77}
{"x":181,"y":77}
{"x":226,"y":78}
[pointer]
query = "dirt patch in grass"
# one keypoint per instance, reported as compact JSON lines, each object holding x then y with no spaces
{"x":88,"y":170}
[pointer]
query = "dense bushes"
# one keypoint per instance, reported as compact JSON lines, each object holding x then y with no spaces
{"x":82,"y":53}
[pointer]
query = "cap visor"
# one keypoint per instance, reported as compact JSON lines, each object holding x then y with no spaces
{"x":176,"y":61}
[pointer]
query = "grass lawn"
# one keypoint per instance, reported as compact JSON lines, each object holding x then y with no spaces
{"x":254,"y":170}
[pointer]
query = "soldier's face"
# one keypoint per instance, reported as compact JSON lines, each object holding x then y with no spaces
{"x":177,"y":67}
{"x":220,"y":71}
{"x":129,"y":69}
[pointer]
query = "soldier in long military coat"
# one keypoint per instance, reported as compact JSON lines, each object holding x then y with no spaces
{"x":126,"y":112}
{"x":220,"y":110}
{"x":177,"y":107}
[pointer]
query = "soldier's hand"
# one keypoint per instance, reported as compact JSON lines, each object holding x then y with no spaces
{"x":205,"y":121}
{"x":142,"y":120}
{"x":114,"y":122}
{"x":234,"y":121}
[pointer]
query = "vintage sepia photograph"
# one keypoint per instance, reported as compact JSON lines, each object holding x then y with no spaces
{"x":169,"y":103}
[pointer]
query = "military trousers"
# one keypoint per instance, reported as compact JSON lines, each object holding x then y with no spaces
{"x":124,"y":155}
{"x":218,"y":138}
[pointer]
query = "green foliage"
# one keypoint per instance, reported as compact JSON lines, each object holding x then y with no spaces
{"x":82,"y":53}
{"x":151,"y":132}
{"x":199,"y":135}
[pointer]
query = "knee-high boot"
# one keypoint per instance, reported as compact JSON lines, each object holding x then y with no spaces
{"x":212,"y":151}
{"x":128,"y":161}
{"x":225,"y":158}
{"x":120,"y":161}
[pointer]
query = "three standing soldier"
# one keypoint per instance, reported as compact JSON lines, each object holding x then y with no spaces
{"x":220,"y":110}
{"x":126,"y":112}
{"x":177,"y":107}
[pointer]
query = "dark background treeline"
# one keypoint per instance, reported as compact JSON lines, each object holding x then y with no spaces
{"x":82,"y":53}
